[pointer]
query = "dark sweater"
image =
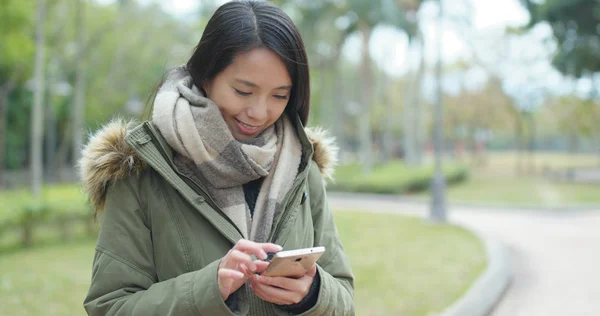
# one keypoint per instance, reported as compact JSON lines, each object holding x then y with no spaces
{"x":251,"y":190}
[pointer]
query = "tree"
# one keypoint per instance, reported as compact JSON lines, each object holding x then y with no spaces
{"x":16,"y":53}
{"x":369,"y":14}
{"x":37,"y":111}
{"x":575,"y":27}
{"x":77,"y":114}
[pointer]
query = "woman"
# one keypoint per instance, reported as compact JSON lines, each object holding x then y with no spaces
{"x":224,"y":173}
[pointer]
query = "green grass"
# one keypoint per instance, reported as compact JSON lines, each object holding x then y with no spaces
{"x":46,"y":281}
{"x":59,"y":198}
{"x":504,"y":163}
{"x":393,"y":177}
{"x":403,"y":266}
{"x":498,"y":182}
{"x":524,"y":191}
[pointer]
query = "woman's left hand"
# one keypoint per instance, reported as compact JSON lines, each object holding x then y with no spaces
{"x":282,"y":290}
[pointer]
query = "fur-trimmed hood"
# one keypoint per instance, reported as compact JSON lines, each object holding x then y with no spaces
{"x":108,"y":157}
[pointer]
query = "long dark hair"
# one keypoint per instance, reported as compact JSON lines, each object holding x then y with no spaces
{"x":240,"y":26}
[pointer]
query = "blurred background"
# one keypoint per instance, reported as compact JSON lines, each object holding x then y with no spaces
{"x":475,"y":103}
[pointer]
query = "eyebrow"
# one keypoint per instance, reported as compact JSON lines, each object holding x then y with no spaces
{"x":254,"y":85}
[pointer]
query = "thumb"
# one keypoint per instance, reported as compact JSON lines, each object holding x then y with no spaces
{"x":312,"y":271}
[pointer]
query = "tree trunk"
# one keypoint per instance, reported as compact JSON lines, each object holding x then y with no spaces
{"x":519,"y":144}
{"x":531,"y":144}
{"x":387,"y":138}
{"x":338,"y":93}
{"x":37,"y":111}
{"x":50,"y":125}
{"x":417,"y":104}
{"x":598,"y":146}
{"x":79,"y":96}
{"x":5,"y":91}
{"x":367,"y":97}
{"x":408,"y":143}
{"x":413,"y":131}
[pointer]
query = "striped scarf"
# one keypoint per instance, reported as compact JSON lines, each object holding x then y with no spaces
{"x":194,"y":127}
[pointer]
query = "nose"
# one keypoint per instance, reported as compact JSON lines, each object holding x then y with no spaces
{"x":258,"y":110}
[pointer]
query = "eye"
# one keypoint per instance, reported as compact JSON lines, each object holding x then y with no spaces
{"x":242,"y":93}
{"x":281,"y":97}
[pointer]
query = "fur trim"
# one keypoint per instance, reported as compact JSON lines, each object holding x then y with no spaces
{"x":107,"y":157}
{"x":326,"y":151}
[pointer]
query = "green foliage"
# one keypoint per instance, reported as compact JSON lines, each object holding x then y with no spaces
{"x":126,"y":49}
{"x":16,"y":42}
{"x":403,"y":266}
{"x":56,"y":200}
{"x":575,"y":27}
{"x":392,"y":178}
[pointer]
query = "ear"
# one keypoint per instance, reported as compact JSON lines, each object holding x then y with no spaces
{"x":206,"y":88}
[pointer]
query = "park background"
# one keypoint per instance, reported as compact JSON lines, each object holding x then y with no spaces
{"x":482,"y":104}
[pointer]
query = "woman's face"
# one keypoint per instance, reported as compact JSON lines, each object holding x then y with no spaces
{"x":252,"y":92}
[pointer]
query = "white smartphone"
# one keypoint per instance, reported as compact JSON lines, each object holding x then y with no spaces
{"x":293,"y":263}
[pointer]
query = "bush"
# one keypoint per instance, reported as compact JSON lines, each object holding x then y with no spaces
{"x":59,"y":209}
{"x":392,"y":178}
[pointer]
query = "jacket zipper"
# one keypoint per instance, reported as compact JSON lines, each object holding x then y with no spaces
{"x":211,"y":202}
{"x":289,"y":205}
{"x":198,"y":189}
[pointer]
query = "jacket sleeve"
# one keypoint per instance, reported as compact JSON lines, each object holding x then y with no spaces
{"x":124,"y":279}
{"x":336,"y":292}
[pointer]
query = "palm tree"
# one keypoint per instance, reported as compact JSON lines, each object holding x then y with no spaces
{"x":37,"y":111}
{"x":370,"y":14}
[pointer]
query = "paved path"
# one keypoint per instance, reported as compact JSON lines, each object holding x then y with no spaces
{"x":555,"y":257}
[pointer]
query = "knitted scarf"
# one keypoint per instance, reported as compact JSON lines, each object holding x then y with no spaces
{"x":205,"y":149}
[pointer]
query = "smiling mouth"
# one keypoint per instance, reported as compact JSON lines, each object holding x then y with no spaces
{"x":246,"y":128}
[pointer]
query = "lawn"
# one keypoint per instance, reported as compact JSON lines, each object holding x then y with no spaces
{"x":403,"y":266}
{"x":393,"y":177}
{"x":524,"y":191}
{"x":498,"y":183}
{"x":60,"y":198}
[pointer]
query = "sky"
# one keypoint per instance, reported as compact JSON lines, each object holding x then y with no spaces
{"x":484,"y":38}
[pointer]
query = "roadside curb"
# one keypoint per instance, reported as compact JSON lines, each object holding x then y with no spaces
{"x":572,"y":209}
{"x":481,"y":298}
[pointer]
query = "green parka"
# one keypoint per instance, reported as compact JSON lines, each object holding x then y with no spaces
{"x":162,"y":238}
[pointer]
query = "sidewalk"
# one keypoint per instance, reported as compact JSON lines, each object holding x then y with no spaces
{"x":555,"y":256}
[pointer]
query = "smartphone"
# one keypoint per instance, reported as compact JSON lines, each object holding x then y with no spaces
{"x":293,"y":263}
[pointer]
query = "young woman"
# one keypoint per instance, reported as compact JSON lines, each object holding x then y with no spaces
{"x":222,"y":174}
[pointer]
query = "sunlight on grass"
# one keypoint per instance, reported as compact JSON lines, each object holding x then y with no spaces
{"x":497,"y":182}
{"x":403,"y":266}
{"x":393,"y":177}
{"x":532,"y":191}
{"x":46,"y":281}
{"x":61,"y":198}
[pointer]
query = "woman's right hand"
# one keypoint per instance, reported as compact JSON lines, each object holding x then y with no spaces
{"x":237,"y":265}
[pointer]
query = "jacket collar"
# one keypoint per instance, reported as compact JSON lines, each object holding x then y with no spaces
{"x":113,"y":153}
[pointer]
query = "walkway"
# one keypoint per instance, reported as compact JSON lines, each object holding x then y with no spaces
{"x":555,"y":256}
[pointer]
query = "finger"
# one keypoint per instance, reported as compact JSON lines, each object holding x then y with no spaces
{"x":281,"y":282}
{"x":236,"y":257}
{"x":300,"y":286}
{"x":261,"y":266}
{"x":244,"y":269}
{"x":225,"y":273}
{"x":312,"y":271}
{"x":259,"y":290}
{"x":278,"y":295}
{"x":257,"y":249}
